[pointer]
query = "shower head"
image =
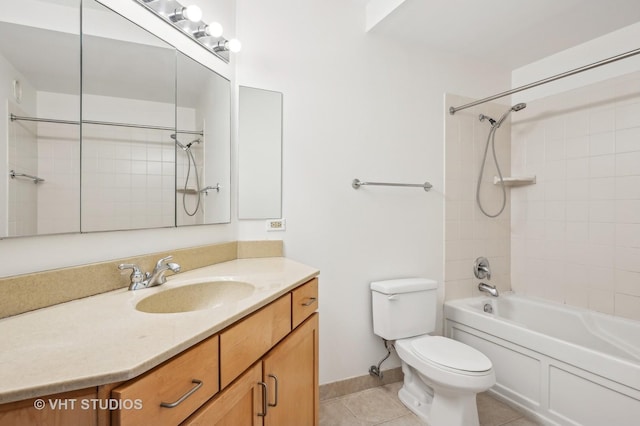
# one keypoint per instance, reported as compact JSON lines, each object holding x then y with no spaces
{"x":195,"y":141}
{"x":175,"y":138}
{"x":516,"y":107}
{"x":187,"y":146}
{"x":483,"y":117}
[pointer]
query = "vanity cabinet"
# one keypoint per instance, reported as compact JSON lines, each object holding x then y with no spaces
{"x":260,"y":371}
{"x":281,"y":387}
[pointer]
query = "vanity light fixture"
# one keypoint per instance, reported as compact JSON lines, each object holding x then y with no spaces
{"x":188,"y":20}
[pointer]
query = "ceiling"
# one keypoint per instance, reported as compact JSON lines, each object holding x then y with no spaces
{"x":508,"y":33}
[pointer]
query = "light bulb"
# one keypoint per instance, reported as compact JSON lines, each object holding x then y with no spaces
{"x":234,"y":45}
{"x":192,"y":13}
{"x":214,"y":29}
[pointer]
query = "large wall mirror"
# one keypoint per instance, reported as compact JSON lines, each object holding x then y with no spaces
{"x":151,"y":120}
{"x":260,"y":154}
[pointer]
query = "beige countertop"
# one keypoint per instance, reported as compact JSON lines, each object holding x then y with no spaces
{"x":103,"y":339}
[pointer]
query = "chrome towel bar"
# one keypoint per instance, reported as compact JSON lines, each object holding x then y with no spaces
{"x":357,"y":184}
{"x":15,"y":174}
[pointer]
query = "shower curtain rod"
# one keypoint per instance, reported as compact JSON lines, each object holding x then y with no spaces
{"x":104,"y":123}
{"x":453,"y":110}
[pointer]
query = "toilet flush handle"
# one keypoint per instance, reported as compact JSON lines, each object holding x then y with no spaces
{"x":392,"y":297}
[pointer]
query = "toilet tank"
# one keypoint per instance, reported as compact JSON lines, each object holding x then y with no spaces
{"x":404,"y":307}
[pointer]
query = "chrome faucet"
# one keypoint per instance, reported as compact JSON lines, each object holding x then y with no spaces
{"x":150,"y":279}
{"x":488,"y":288}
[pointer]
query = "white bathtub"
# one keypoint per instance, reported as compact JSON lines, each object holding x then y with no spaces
{"x":563,"y":365}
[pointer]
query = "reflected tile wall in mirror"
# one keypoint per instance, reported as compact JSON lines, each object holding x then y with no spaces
{"x":128,"y":111}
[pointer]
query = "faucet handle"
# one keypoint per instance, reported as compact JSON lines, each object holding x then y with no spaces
{"x":161,"y":262}
{"x":136,"y":274}
{"x":481,"y":268}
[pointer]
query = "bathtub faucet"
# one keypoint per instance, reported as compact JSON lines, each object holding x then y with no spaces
{"x":488,"y":288}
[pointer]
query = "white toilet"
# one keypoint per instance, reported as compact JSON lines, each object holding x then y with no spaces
{"x":441,"y":376}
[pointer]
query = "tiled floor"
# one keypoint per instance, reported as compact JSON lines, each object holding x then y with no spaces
{"x":381,"y":406}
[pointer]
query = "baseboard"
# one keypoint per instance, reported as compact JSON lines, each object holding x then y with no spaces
{"x":360,"y":383}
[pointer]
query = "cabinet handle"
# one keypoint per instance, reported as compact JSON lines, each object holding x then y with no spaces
{"x":264,"y":399}
{"x":311,"y":301}
{"x":198,"y":385}
{"x":275,"y":379}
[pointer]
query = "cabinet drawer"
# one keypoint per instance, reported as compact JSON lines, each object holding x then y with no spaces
{"x":193,"y":373}
{"x":244,"y":343}
{"x":304,"y":302}
{"x":238,"y":405}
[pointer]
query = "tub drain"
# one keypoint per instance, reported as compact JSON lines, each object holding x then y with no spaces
{"x":488,"y":308}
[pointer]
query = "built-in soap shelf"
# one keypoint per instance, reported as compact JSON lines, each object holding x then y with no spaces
{"x":515,"y":180}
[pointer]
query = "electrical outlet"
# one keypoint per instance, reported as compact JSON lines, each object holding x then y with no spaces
{"x":276,"y":225}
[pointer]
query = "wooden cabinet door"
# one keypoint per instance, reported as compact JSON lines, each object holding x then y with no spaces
{"x":69,"y":408}
{"x":238,"y":405}
{"x":291,"y":372}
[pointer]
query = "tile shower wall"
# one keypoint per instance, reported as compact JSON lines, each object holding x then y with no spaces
{"x":468,"y":233}
{"x":576,"y":233}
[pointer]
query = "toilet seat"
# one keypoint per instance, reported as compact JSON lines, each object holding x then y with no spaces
{"x":450,"y":354}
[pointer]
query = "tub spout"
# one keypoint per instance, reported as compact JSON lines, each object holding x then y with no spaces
{"x":488,"y":288}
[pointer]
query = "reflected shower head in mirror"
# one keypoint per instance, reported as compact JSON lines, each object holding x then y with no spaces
{"x":191,"y":162}
{"x":187,"y":146}
{"x":194,"y":142}
{"x":175,"y":138}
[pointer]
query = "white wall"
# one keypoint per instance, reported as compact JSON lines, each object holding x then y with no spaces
{"x":355,"y":106}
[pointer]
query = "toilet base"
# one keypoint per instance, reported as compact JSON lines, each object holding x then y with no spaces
{"x":421,"y":407}
{"x":437,"y":407}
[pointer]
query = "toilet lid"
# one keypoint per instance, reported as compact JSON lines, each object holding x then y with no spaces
{"x":451,"y":354}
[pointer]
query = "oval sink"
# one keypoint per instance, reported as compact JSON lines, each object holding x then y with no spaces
{"x":195,"y":297}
